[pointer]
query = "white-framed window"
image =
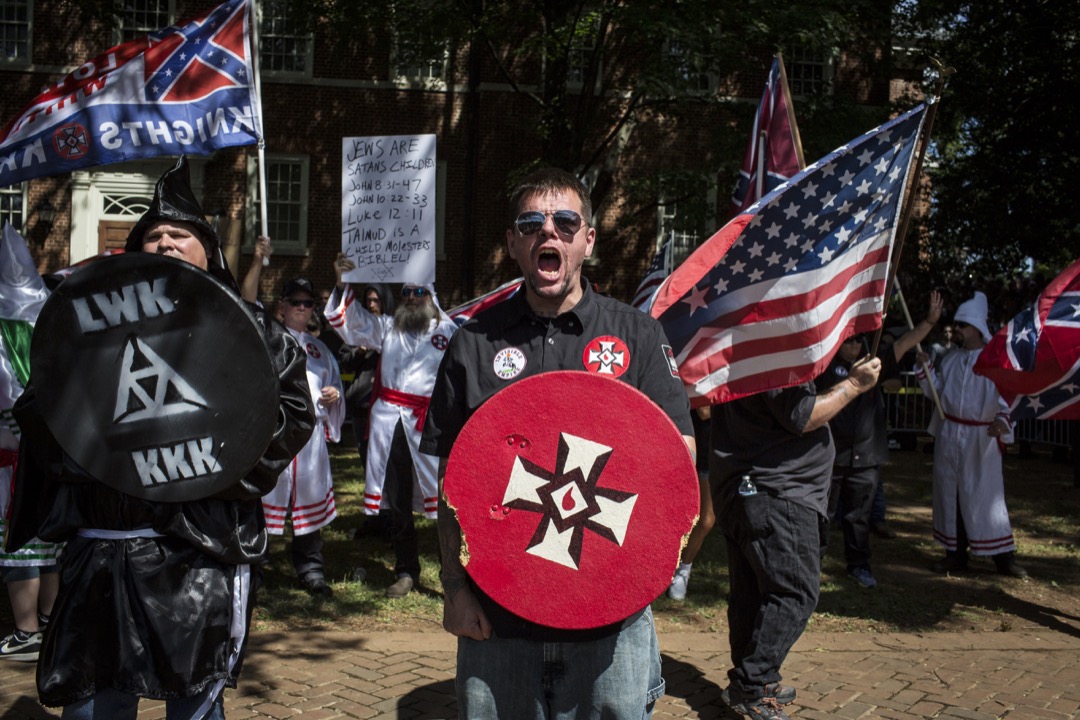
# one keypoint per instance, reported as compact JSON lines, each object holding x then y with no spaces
{"x":13,"y":205}
{"x":582,"y":48}
{"x":689,"y":72}
{"x":808,"y":72}
{"x":16,"y":23}
{"x":287,"y":202}
{"x":684,"y":220}
{"x":283,"y":48}
{"x":419,"y":57}
{"x":139,"y":18}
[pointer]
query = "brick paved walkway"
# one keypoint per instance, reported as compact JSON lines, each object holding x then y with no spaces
{"x":961,"y":676}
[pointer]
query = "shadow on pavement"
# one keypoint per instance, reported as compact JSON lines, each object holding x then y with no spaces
{"x":429,"y":702}
{"x":27,"y":708}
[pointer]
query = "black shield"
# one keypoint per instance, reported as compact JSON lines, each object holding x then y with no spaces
{"x":154,"y":377}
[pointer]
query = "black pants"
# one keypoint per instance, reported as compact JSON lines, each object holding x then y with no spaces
{"x":398,"y":491}
{"x":307,"y":556}
{"x":773,"y":547}
{"x":853,"y":490}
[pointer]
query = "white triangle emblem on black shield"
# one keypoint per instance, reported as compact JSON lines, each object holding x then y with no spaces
{"x":150,"y":388}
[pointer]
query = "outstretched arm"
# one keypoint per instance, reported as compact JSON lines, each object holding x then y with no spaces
{"x":918,"y":333}
{"x":863,"y":376}
{"x":249,"y":287}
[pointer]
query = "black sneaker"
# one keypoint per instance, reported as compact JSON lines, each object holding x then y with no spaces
{"x":766,"y":707}
{"x":21,"y":646}
{"x":316,"y":587}
{"x":42,"y":621}
{"x":782,"y":694}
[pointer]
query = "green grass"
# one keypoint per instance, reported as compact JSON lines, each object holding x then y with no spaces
{"x":1043,"y":502}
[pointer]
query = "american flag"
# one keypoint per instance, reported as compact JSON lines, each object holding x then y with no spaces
{"x":1035,"y":359}
{"x":659,"y":268}
{"x":774,"y":152}
{"x":191,"y":61}
{"x":766,"y":301}
{"x":462,"y":313}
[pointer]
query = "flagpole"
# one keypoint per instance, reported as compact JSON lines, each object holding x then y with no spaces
{"x":918,"y":347}
{"x":790,"y":108}
{"x":913,"y":190}
{"x":263,"y":214}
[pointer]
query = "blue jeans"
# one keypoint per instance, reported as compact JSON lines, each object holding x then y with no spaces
{"x":115,"y":705}
{"x":614,"y":678}
{"x":775,"y":577}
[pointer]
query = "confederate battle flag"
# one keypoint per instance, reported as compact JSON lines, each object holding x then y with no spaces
{"x":186,"y":89}
{"x":1035,"y":359}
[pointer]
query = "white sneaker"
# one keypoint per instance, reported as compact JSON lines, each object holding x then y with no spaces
{"x":677,"y":591}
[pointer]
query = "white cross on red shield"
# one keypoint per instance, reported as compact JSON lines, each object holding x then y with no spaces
{"x":575,"y":494}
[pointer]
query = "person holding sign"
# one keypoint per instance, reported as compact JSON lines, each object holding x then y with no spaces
{"x":411,"y":343}
{"x":509,"y":666}
{"x":155,"y":583}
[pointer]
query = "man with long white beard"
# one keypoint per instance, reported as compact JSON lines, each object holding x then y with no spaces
{"x":411,"y":344}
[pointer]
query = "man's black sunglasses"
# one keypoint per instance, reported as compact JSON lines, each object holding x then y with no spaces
{"x":300,"y":303}
{"x":567,"y":222}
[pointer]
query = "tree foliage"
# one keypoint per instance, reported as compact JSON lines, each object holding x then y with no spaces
{"x":1005,"y":148}
{"x":640,"y":57}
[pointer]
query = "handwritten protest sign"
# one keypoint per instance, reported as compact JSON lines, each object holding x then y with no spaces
{"x":388,"y":208}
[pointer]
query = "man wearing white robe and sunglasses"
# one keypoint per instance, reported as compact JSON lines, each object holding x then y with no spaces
{"x":411,"y":343}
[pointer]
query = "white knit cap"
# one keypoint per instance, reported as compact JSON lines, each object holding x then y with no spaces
{"x":974,"y":312}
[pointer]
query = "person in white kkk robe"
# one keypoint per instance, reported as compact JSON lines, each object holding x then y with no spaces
{"x":305,"y":489}
{"x":411,"y":344}
{"x":969,"y":487}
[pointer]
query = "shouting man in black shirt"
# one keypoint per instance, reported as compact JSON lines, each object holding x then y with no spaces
{"x":508,"y":666}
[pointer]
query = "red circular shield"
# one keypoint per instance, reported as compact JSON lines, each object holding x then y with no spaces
{"x":574,"y":493}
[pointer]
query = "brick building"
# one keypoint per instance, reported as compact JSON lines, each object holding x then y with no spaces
{"x":316,"y":91}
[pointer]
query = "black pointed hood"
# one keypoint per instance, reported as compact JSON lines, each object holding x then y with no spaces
{"x":174,"y":200}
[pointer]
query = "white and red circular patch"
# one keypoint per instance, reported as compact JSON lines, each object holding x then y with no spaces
{"x":71,"y":141}
{"x":574,"y":495}
{"x":313,"y":351}
{"x":606,"y":355}
{"x":508,"y":363}
{"x":441,"y":342}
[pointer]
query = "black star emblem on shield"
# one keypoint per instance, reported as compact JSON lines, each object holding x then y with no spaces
{"x":569,"y":500}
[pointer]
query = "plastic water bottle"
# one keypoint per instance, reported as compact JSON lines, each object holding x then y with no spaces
{"x":747,"y":486}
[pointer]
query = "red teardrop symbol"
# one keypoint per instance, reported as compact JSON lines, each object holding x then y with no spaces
{"x":568,"y":502}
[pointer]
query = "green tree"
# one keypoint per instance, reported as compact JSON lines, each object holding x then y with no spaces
{"x":1004,"y":150}
{"x":642,"y":59}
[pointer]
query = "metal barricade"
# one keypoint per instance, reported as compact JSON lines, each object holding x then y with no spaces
{"x":1044,"y":432}
{"x":907,"y":410}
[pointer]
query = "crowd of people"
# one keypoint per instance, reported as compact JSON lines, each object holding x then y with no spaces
{"x":775,"y":471}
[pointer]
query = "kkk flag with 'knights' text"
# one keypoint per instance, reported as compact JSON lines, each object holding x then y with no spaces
{"x":765,"y":302}
{"x":186,"y":89}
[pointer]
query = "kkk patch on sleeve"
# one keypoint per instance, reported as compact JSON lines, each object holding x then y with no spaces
{"x":672,"y":365}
